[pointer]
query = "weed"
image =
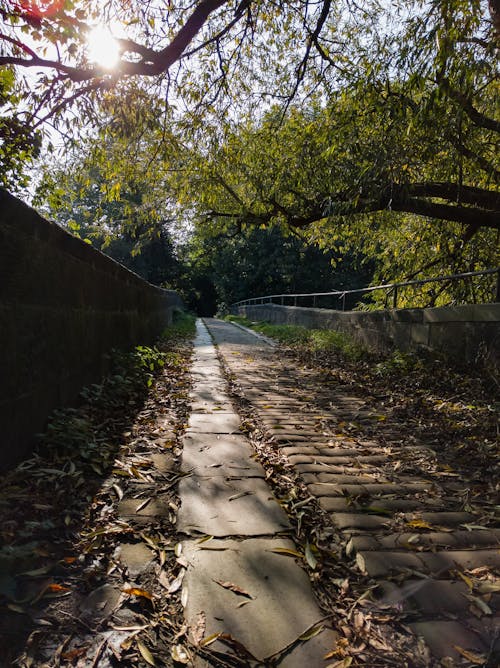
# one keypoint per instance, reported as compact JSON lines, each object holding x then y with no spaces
{"x":183,"y":326}
{"x":317,"y":340}
{"x":398,"y":362}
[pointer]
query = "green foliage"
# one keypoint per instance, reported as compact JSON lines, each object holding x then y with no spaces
{"x":267,"y":261}
{"x":71,"y":431}
{"x":182,"y":327}
{"x":398,"y":362}
{"x":19,"y":144}
{"x":315,"y":340}
{"x":391,"y":98}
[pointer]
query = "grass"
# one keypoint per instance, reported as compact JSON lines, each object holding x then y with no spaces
{"x":317,"y":340}
{"x":182,"y":327}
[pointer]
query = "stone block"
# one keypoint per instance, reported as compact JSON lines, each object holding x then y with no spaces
{"x":279,"y":606}
{"x":463,"y":313}
{"x":209,"y":455}
{"x":221,"y":507}
{"x":419,"y":335}
{"x":443,"y":636}
{"x":214,"y":423}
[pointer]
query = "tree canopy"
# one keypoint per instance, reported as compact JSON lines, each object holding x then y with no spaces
{"x":348,"y":125}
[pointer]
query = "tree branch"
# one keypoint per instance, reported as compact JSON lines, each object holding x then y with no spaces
{"x":152,"y":63}
{"x":465,"y":102}
{"x":486,"y":213}
{"x":480,"y":197}
{"x":478,"y":159}
{"x":458,"y":214}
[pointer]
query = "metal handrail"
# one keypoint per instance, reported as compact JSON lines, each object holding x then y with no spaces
{"x":341,"y":294}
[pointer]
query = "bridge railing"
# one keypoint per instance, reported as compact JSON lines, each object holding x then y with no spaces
{"x":392,"y":291}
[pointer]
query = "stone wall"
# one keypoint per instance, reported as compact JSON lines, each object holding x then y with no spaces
{"x":63,"y":305}
{"x":462,"y":334}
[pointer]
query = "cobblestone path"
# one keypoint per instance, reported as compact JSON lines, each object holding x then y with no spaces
{"x":404,"y":517}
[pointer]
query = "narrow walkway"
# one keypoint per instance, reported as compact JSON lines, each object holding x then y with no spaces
{"x":241,"y":588}
{"x":437,"y":568}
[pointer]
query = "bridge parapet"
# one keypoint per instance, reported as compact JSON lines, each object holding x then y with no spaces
{"x":460,"y":333}
{"x":63,"y":305}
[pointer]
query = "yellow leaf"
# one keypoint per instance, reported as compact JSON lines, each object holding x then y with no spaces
{"x":307,"y":635}
{"x":286,"y":550}
{"x":476,"y":659}
{"x":419,"y":524}
{"x":466,"y":579}
{"x":134,"y":591}
{"x":145,"y":653}
{"x":209,"y":640}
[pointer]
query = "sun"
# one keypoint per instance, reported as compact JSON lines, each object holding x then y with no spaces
{"x":102,"y":48}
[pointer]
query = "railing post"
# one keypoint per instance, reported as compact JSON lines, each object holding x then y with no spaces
{"x":282,"y":300}
{"x":395,"y":297}
{"x":343,"y":302}
{"x":295,"y":301}
{"x":314,"y":301}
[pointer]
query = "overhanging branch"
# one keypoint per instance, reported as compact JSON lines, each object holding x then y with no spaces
{"x":152,"y":62}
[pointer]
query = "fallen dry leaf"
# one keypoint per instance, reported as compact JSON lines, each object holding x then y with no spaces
{"x":176,"y":584}
{"x":287,"y":551}
{"x":209,"y":640}
{"x":179,"y":654}
{"x":476,"y":659}
{"x":145,"y":653}
{"x":134,"y":591}
{"x":234,"y":588}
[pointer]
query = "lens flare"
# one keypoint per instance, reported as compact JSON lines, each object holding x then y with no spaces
{"x":102,"y":48}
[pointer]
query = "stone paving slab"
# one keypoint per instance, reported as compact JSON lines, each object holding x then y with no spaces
{"x":136,"y":557}
{"x":342,"y":471}
{"x":443,"y":636}
{"x":100,"y":604}
{"x":164,"y":463}
{"x":350,"y":460}
{"x":281,"y":606}
{"x":430,"y":596}
{"x":359,"y":521}
{"x":354,"y":471}
{"x":330,"y":489}
{"x":224,"y":455}
{"x":435,"y":519}
{"x":415,"y":541}
{"x":390,"y":506}
{"x":216,"y":423}
{"x":377,"y":563}
{"x":208,"y":392}
{"x":208,"y":408}
{"x":321,"y":475}
{"x":221,"y":507}
{"x":307,"y":458}
{"x":157,"y":506}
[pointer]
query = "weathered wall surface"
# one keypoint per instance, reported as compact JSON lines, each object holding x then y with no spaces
{"x":460,"y":333}
{"x":63,"y":305}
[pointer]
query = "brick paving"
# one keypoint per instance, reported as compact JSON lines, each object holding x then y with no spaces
{"x":401,"y":514}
